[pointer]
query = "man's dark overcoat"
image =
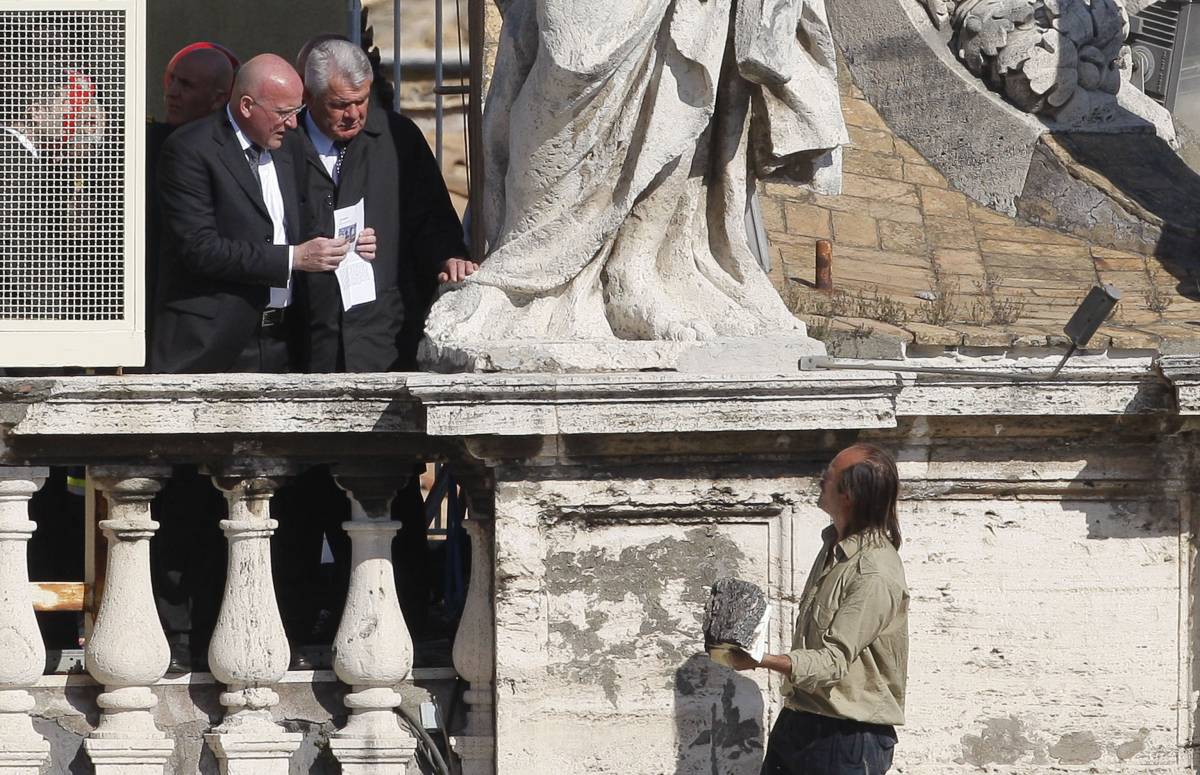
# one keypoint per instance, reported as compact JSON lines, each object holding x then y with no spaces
{"x":390,"y":165}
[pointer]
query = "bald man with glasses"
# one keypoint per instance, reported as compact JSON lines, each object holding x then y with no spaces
{"x":232,"y":223}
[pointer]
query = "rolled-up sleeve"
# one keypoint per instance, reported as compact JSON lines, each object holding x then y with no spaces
{"x":870,"y":603}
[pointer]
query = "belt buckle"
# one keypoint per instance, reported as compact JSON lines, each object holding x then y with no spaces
{"x":271,"y":317}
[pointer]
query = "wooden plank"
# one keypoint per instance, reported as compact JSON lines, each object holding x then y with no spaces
{"x":58,"y":595}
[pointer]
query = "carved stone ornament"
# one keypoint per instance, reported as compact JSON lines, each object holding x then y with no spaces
{"x":1058,"y":58}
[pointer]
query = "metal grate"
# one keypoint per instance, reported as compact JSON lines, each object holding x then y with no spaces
{"x":1160,"y":23}
{"x":62,"y":165}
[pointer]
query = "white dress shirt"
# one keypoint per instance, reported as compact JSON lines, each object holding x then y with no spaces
{"x":324,"y":146}
{"x":273,"y":199}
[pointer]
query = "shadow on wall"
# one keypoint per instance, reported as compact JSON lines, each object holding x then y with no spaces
{"x":718,"y":720}
{"x":1151,"y":176}
{"x":1135,"y":171}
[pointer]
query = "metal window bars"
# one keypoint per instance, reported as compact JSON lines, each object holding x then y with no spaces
{"x":469,"y":88}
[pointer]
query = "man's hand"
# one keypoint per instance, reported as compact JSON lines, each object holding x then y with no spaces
{"x":455,"y":270}
{"x":365,"y":247}
{"x":321,"y":254}
{"x":740,"y":660}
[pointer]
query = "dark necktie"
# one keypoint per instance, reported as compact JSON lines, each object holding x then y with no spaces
{"x":254,"y":157}
{"x":337,"y":165}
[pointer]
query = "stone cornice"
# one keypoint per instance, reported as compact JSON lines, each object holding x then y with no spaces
{"x":1183,"y":372}
{"x":650,"y":402}
{"x":1095,"y":393}
{"x":243,"y":404}
{"x":448,"y":406}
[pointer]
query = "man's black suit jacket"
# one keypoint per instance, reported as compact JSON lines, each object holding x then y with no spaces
{"x":389,"y":164}
{"x":218,"y":259}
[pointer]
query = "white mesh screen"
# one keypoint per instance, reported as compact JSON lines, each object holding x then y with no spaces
{"x":62,"y":165}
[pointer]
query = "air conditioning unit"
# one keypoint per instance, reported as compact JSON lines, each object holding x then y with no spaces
{"x":1165,"y":42}
{"x":72,"y":174}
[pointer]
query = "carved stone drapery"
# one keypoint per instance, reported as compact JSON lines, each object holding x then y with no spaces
{"x":475,"y":657}
{"x":127,"y":651}
{"x":249,"y":651}
{"x":373,"y":649}
{"x":620,"y":158}
{"x":22,"y":653}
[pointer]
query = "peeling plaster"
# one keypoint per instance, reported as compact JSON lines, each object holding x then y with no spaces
{"x":1131,"y":748}
{"x":1076,"y":748}
{"x":1002,"y":741}
{"x":641,"y":574}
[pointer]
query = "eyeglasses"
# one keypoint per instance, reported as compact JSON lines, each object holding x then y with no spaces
{"x":284,"y":114}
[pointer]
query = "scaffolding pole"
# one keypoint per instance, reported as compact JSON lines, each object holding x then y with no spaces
{"x":354,"y":21}
{"x":475,"y":182}
{"x":396,"y":69}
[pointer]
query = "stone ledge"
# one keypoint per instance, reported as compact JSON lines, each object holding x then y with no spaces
{"x":518,"y":405}
{"x":434,"y":408}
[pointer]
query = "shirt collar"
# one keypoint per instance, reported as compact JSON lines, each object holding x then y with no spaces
{"x":25,"y":142}
{"x":847,"y":547}
{"x":322,"y":143}
{"x":237,"y":130}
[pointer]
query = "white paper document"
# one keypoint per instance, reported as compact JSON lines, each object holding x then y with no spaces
{"x":355,"y":275}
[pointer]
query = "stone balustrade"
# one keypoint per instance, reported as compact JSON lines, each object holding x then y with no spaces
{"x":22,"y":750}
{"x":127,"y":653}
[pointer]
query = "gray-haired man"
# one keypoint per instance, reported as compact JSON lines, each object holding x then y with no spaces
{"x":353,"y":152}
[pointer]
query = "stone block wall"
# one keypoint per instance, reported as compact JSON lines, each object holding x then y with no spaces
{"x":903,"y":238}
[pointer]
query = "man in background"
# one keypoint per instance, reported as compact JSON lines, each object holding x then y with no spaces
{"x":197,"y":83}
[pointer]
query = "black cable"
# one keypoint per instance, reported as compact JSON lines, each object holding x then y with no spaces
{"x":444,"y":718}
{"x":428,"y":745}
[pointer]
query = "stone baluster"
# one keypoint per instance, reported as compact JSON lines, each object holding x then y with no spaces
{"x":249,"y":651}
{"x":127,"y":651}
{"x":475,"y":656}
{"x":22,"y":654}
{"x":373,"y":650}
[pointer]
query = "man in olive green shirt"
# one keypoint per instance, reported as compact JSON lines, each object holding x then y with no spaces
{"x":846,"y":672}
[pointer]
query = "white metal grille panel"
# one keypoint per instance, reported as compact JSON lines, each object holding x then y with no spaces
{"x":70,"y":217}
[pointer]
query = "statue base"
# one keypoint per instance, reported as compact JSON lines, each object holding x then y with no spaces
{"x":734,"y":355}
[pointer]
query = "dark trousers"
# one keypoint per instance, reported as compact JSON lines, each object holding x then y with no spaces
{"x":270,"y":350}
{"x":808,"y":744}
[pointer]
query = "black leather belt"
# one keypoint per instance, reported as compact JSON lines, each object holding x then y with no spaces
{"x":273,"y":316}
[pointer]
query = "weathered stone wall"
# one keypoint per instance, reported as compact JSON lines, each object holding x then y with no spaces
{"x":600,"y":597}
{"x":1048,"y":568}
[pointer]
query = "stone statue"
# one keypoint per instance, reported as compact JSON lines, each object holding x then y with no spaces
{"x":1058,"y":58}
{"x":623,"y":139}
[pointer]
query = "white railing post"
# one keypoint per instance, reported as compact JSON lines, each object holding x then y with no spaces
{"x":373,"y":649}
{"x":249,"y":651}
{"x":475,"y":656}
{"x":127,"y":651}
{"x":22,"y":654}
